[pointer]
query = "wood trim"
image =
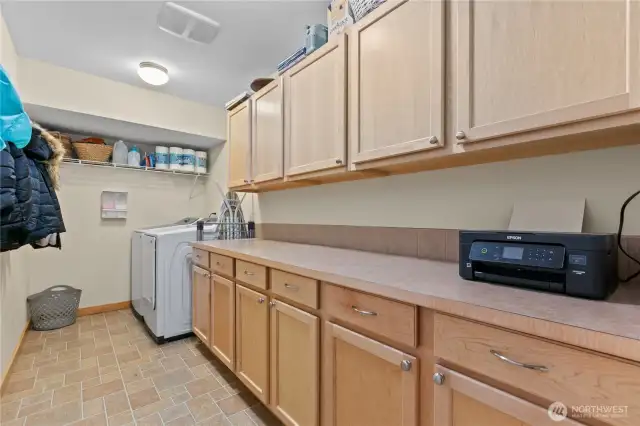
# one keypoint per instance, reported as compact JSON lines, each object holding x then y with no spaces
{"x":14,"y":355}
{"x":488,"y":395}
{"x":109,"y":307}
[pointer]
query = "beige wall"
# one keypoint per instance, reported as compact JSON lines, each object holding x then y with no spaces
{"x":14,"y":266}
{"x":96,"y":253}
{"x":471,"y":197}
{"x":89,"y":94}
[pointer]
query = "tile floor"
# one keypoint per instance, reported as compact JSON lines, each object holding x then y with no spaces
{"x":105,"y":370}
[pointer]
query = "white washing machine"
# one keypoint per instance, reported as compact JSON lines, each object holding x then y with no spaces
{"x":161,"y":280}
{"x":136,"y":257}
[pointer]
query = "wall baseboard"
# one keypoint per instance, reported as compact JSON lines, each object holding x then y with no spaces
{"x":3,"y":381}
{"x":92,"y":310}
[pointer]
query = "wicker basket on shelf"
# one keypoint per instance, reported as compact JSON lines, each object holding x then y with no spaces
{"x":92,"y":151}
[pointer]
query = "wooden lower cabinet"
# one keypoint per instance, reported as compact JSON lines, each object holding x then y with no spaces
{"x":294,"y":365}
{"x":367,"y":383}
{"x":223,"y":310}
{"x":252,"y":341}
{"x":462,"y":401}
{"x":201,"y":315}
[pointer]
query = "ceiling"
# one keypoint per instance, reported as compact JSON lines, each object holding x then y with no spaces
{"x":110,"y":39}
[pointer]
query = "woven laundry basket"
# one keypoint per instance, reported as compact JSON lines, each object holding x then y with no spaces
{"x":92,"y":151}
{"x":54,"y":307}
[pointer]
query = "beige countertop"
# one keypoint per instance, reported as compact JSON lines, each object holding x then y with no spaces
{"x":437,"y":285}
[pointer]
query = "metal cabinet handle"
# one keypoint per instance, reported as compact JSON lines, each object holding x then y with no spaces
{"x":218,"y":264}
{"x":364,"y":313}
{"x":248,"y":273}
{"x":438,"y":379}
{"x":272,"y":303}
{"x":501,"y":357}
{"x":261,"y":300}
{"x":291,"y":286}
{"x":405,"y":365}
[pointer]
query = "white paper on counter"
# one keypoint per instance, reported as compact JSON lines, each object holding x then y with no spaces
{"x":548,"y":215}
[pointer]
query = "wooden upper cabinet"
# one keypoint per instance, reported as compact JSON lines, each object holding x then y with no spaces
{"x":252,"y":341}
{"x":267,"y":148}
{"x":223,"y":309}
{"x":522,"y":66}
{"x":462,"y":401}
{"x":295,"y":382}
{"x":315,"y":111}
{"x":239,"y":140}
{"x":201,"y":312}
{"x":367,"y":383}
{"x":396,"y":75}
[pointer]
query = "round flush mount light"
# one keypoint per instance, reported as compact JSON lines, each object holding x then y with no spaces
{"x":152,"y":73}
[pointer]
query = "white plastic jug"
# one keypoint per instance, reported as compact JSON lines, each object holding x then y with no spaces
{"x":120,"y":153}
{"x":134,"y":157}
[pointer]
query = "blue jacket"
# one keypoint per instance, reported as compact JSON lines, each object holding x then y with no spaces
{"x":46,"y":217}
{"x":16,"y":204}
{"x":30,"y":208}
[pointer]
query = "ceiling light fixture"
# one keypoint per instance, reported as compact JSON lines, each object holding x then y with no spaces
{"x":152,"y":73}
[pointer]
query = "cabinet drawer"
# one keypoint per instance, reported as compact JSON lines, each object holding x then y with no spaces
{"x":384,"y":317}
{"x":222,"y":265}
{"x":251,"y":273}
{"x":294,"y":287}
{"x":201,"y":258}
{"x":551,"y":371}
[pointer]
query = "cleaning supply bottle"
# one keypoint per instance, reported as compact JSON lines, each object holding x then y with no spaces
{"x":134,"y":156}
{"x":120,"y":153}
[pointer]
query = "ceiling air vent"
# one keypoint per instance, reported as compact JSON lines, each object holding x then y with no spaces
{"x":187,"y":24}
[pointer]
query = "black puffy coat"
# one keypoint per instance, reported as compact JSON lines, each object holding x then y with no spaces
{"x":16,"y":203}
{"x":30,"y":209}
{"x":46,"y":217}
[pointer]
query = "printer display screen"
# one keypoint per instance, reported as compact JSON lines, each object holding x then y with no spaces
{"x":514,"y":253}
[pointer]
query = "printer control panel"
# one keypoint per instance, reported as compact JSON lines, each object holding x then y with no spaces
{"x":531,"y":255}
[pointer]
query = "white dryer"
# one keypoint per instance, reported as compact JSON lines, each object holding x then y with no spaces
{"x":161,"y":280}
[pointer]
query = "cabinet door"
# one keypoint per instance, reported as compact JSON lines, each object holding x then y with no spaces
{"x":462,"y":401}
{"x":367,"y":383}
{"x":267,"y":148}
{"x":315,"y":111}
{"x":201,"y":317}
{"x":396,"y":74}
{"x":239,"y":140}
{"x":528,"y":65}
{"x":294,"y":365}
{"x":223,"y":306}
{"x":252,"y":341}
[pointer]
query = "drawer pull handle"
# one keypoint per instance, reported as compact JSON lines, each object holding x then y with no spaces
{"x":501,"y":357}
{"x":197,"y":256}
{"x":272,"y":304}
{"x":218,"y":264}
{"x":261,"y":300}
{"x":364,"y":313}
{"x":291,"y":286}
{"x":248,"y":273}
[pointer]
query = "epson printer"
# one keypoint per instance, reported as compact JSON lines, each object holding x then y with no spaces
{"x":581,"y":265}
